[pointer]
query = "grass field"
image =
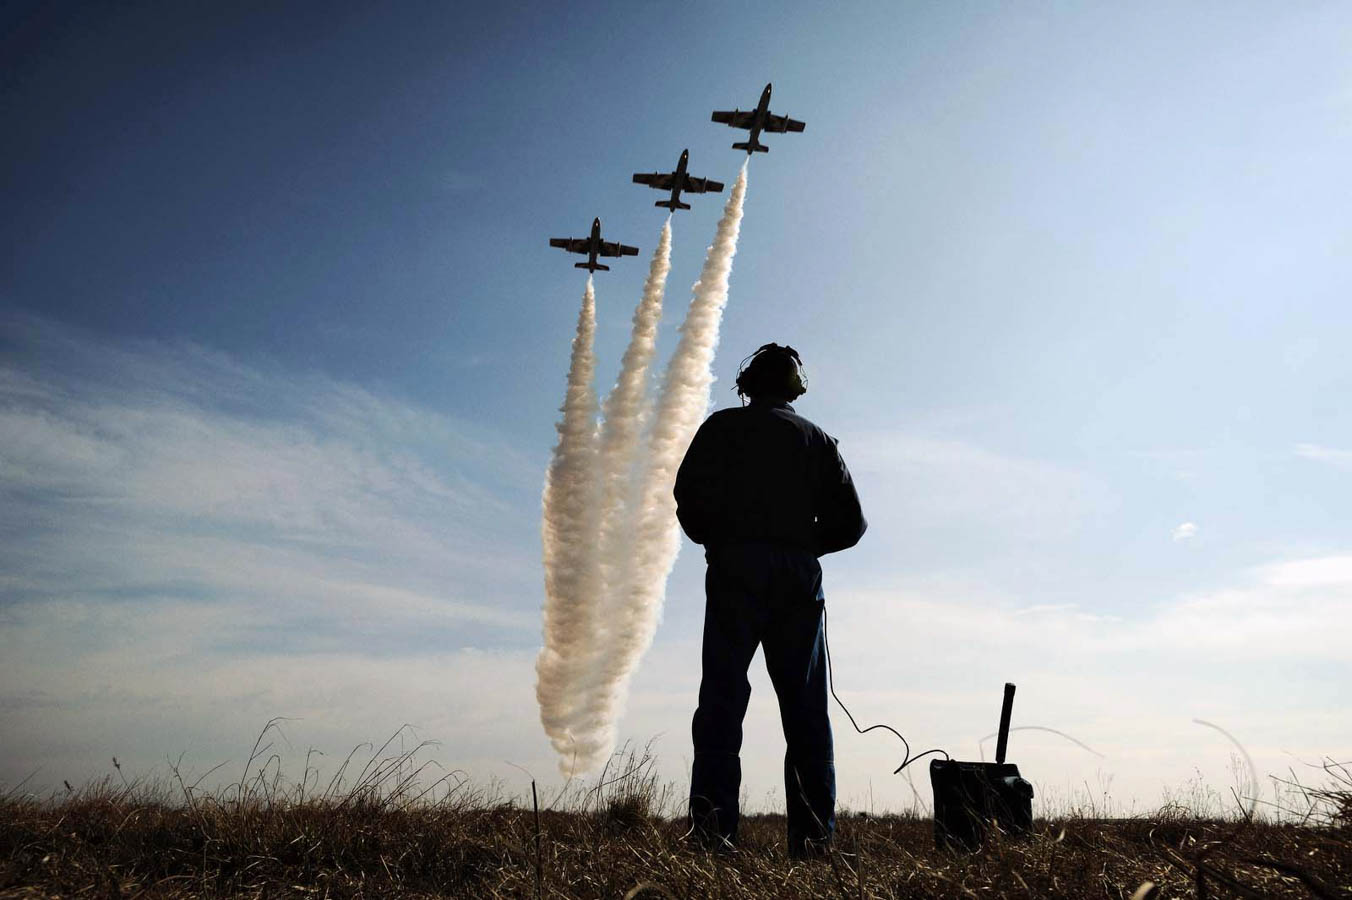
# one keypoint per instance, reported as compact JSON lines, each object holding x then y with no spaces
{"x":387,"y":831}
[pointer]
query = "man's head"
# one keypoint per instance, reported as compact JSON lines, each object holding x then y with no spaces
{"x":772,"y":373}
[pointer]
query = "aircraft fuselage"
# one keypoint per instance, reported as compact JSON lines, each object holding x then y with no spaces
{"x":762,"y":108}
{"x":678,"y":183}
{"x":594,"y":245}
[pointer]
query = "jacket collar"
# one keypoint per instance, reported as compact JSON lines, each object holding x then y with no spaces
{"x":771,"y":404}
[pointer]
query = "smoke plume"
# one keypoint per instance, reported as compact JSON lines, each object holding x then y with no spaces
{"x":570,"y":522}
{"x":624,"y":411}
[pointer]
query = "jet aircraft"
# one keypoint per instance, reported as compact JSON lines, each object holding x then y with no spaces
{"x":593,"y":247}
{"x":758,"y":120}
{"x":676,"y":182}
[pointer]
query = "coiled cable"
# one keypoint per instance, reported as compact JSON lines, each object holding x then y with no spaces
{"x":831,"y":681}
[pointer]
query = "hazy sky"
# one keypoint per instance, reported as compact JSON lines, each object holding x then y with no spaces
{"x":282,"y":345}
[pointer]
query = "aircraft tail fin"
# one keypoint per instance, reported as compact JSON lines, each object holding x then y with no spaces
{"x":672,"y":206}
{"x":591,"y":266}
{"x":750,"y":147}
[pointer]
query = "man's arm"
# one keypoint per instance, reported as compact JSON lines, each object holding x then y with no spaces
{"x":699,"y":484}
{"x":840,"y":520}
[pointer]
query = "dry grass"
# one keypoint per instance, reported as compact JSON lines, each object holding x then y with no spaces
{"x":389,"y":831}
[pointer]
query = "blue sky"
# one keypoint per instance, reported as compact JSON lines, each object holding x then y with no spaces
{"x":282,"y":345}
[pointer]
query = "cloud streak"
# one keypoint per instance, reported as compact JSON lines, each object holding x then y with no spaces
{"x":1341,"y":459}
{"x":164,"y":502}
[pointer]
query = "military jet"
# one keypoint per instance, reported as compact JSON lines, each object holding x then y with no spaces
{"x":758,"y":120}
{"x":676,"y":182}
{"x":593,"y":247}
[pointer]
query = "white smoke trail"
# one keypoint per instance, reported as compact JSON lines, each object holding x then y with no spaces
{"x":570,"y":521}
{"x":681,"y":407}
{"x":624,"y":410}
{"x":625,"y":406}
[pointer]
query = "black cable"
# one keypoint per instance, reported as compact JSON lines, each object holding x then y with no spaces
{"x":831,"y":682}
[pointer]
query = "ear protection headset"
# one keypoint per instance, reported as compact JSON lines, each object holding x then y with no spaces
{"x":772,"y":369}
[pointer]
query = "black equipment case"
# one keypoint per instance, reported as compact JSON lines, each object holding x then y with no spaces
{"x":971,"y":796}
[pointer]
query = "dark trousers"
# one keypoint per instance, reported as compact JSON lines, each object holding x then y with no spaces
{"x":769,"y":595}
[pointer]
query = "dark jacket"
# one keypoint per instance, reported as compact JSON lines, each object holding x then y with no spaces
{"x":764,"y":473}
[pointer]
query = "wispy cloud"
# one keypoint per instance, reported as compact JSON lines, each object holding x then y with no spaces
{"x":167,"y":510}
{"x":943,"y":481}
{"x":1314,"y":572}
{"x":1340,"y":458}
{"x":1185,"y":531}
{"x":97,"y":680}
{"x":1264,"y":652}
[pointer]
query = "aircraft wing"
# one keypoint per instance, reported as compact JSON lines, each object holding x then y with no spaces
{"x":656,"y":179}
{"x":572,"y":245}
{"x":700,"y":185}
{"x":610,"y":248}
{"x":736,"y":118}
{"x":782,"y":124}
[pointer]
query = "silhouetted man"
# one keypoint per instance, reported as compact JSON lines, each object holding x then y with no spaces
{"x":766,"y":492}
